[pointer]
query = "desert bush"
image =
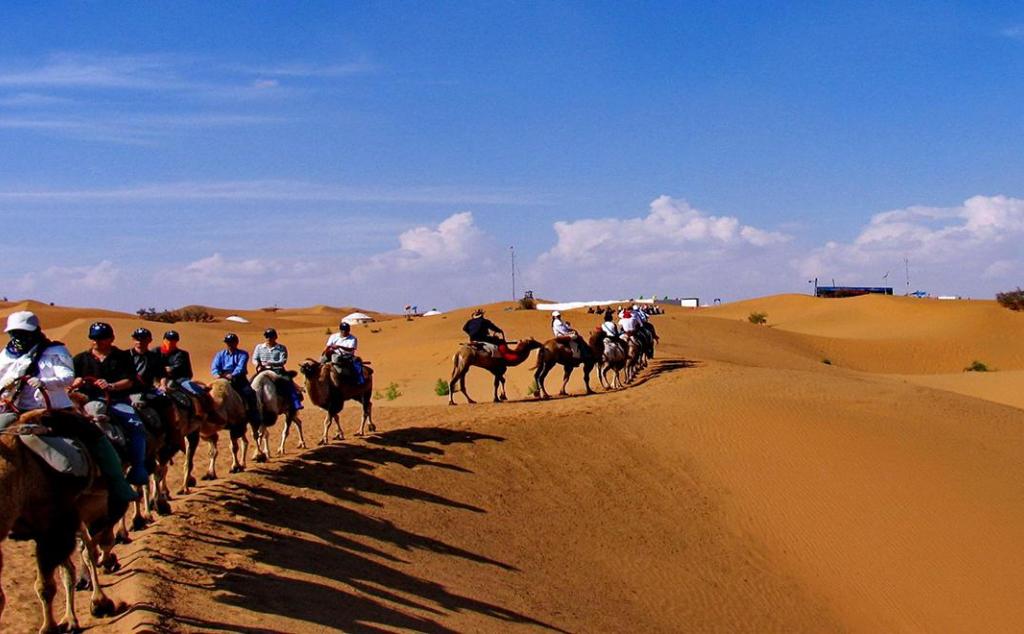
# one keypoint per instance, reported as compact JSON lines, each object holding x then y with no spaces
{"x":328,"y":331}
{"x":1014,"y":300}
{"x":163,"y":316}
{"x":441,"y":387}
{"x":976,"y":366}
{"x":758,"y":318}
{"x":527,"y":303}
{"x":197,"y":315}
{"x":391,"y":392}
{"x":533,"y":389}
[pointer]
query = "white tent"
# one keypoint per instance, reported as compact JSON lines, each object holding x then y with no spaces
{"x":237,"y":319}
{"x":432,"y":312}
{"x":357,"y":318}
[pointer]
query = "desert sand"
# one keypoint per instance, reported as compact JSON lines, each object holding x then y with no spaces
{"x":742,"y":485}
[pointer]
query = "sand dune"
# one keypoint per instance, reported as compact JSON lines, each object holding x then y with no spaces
{"x":742,"y":485}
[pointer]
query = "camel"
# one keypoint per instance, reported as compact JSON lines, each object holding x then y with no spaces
{"x":558,"y":351}
{"x":469,"y":355}
{"x":330,"y":397}
{"x":613,"y":359}
{"x":40,"y":505}
{"x":229,"y":411}
{"x":271,"y":403}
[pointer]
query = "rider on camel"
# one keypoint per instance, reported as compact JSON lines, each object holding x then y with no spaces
{"x":564,"y":330}
{"x":31,"y":364}
{"x":271,"y":355}
{"x":480,"y":329}
{"x":105,"y":373}
{"x":232,"y":363}
{"x":341,"y":352}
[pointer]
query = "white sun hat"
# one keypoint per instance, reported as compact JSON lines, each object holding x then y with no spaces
{"x":22,"y":320}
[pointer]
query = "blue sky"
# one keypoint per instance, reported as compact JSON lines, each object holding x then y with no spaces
{"x":385,"y":153}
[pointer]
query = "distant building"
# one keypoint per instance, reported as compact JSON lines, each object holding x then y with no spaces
{"x":851,"y":291}
{"x":685,"y":302}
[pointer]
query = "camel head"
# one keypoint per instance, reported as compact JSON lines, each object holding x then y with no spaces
{"x":528,"y":344}
{"x":310,"y":368}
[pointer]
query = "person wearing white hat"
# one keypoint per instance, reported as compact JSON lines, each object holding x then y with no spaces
{"x":562,"y":328}
{"x":31,"y":364}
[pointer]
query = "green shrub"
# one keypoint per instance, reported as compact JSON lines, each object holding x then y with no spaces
{"x":1014,"y":300}
{"x":441,"y":387}
{"x":758,"y":318}
{"x":391,"y":393}
{"x":976,"y":366}
{"x":533,"y":389}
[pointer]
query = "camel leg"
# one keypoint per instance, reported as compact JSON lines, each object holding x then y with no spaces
{"x":298,"y":427}
{"x":262,"y":447}
{"x":367,"y":422}
{"x":211,"y":471}
{"x":190,"y":456}
{"x":504,"y":394}
{"x":67,"y":577}
{"x":497,"y":384}
{"x":453,"y":381}
{"x":46,"y":587}
{"x":539,"y":376}
{"x":337,"y":423}
{"x":101,"y":605}
{"x":587,"y":369}
{"x":238,"y":464}
{"x":565,"y":380}
{"x":163,"y":493}
{"x":3,"y":597}
{"x":284,"y":434}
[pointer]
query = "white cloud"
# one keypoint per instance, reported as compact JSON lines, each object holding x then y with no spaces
{"x":1015,"y":32}
{"x":80,"y":284}
{"x":674,"y":249}
{"x":950,"y":249}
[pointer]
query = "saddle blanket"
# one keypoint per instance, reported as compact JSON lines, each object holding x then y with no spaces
{"x":66,"y":456}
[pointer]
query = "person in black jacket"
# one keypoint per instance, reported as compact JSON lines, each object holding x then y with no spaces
{"x":107,"y":373}
{"x":480,"y":328}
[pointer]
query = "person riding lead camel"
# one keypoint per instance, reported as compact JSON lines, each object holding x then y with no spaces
{"x":480,"y":330}
{"x":31,"y":364}
{"x":341,"y":352}
{"x":271,"y":355}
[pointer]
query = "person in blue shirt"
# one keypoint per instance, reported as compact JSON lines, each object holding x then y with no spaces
{"x":232,"y":363}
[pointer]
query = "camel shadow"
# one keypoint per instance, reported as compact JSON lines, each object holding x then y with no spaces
{"x":656,"y":369}
{"x":330,"y":565}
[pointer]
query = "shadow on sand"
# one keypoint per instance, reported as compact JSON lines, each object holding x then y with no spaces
{"x":335,"y":542}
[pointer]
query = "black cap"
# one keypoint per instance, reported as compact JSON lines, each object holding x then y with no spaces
{"x":172,"y":335}
{"x":270,"y":333}
{"x":142,"y":334}
{"x":231,"y":338}
{"x":345,"y":326}
{"x":101,"y":330}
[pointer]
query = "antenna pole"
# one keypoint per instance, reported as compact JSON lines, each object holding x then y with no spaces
{"x":906,"y":264}
{"x":512,"y":249}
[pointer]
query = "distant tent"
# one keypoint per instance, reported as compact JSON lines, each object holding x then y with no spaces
{"x":432,"y":312}
{"x":357,"y":318}
{"x":237,"y":319}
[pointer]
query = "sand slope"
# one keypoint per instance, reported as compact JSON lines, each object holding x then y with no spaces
{"x":742,"y":486}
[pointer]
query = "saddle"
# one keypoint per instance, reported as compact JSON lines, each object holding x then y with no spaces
{"x":493,"y":350}
{"x":65,"y":456}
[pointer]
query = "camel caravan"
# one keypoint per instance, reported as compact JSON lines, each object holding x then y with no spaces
{"x":621,"y":349}
{"x":85,"y":439}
